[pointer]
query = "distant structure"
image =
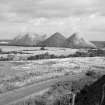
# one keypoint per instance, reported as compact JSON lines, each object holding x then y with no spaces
{"x":76,"y":41}
{"x":56,"y":40}
{"x":27,"y":40}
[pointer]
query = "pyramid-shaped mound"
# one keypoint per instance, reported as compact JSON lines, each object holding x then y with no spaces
{"x":77,"y":41}
{"x":28,"y":39}
{"x":56,"y":40}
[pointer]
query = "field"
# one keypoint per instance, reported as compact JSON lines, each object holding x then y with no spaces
{"x":22,"y":53}
{"x":36,"y":50}
{"x":23,"y":75}
{"x":16,"y":74}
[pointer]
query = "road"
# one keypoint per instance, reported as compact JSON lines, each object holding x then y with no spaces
{"x":13,"y":96}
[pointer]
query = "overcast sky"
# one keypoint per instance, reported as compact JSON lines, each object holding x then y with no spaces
{"x":86,"y":17}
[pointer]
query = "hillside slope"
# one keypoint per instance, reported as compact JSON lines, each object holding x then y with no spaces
{"x":76,"y":41}
{"x":27,"y":39}
{"x":93,"y":94}
{"x":99,"y":44}
{"x":56,"y":40}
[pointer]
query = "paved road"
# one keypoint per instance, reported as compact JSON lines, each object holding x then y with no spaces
{"x":15,"y":95}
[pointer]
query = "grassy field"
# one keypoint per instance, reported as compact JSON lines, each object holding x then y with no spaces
{"x":58,"y":92}
{"x":22,"y":53}
{"x":36,"y":50}
{"x":16,"y":74}
{"x":23,"y":76}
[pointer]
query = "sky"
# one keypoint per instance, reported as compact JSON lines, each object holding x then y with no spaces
{"x":85,"y":17}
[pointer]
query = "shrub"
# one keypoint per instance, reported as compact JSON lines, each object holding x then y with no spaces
{"x":0,"y":50}
{"x":42,"y":56}
{"x":93,"y":74}
{"x":40,"y":102}
{"x":96,"y":52}
{"x":90,"y":73}
{"x":92,"y":94}
{"x":31,"y":101}
{"x":42,"y":48}
{"x":9,"y":86}
{"x":64,"y":100}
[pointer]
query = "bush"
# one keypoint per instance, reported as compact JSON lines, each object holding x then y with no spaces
{"x":0,"y":50}
{"x":96,"y":52}
{"x":81,"y":54}
{"x":42,"y":56}
{"x":40,"y":102}
{"x":9,"y":86}
{"x":90,"y":73}
{"x":31,"y":101}
{"x":92,"y":94}
{"x":93,"y":74}
{"x":64,"y":100}
{"x":42,"y":48}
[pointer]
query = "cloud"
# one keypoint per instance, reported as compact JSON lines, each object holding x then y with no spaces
{"x":27,"y":9}
{"x":49,"y":16}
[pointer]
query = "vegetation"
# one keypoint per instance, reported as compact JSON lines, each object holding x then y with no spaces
{"x":96,"y":52}
{"x":43,"y":47}
{"x":0,"y":50}
{"x":12,"y":52}
{"x":47,"y":69}
{"x":42,"y":56}
{"x":88,"y":53}
{"x":64,"y":100}
{"x":32,"y":101}
{"x":62,"y":93}
{"x":92,"y":94}
{"x":93,"y":74}
{"x":85,"y":91}
{"x":3,"y":59}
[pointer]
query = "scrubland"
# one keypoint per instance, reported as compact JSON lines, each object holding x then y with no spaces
{"x":27,"y":66}
{"x":71,"y":92}
{"x":16,"y":74}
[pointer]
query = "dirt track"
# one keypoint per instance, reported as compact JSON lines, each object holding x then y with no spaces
{"x":10,"y":97}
